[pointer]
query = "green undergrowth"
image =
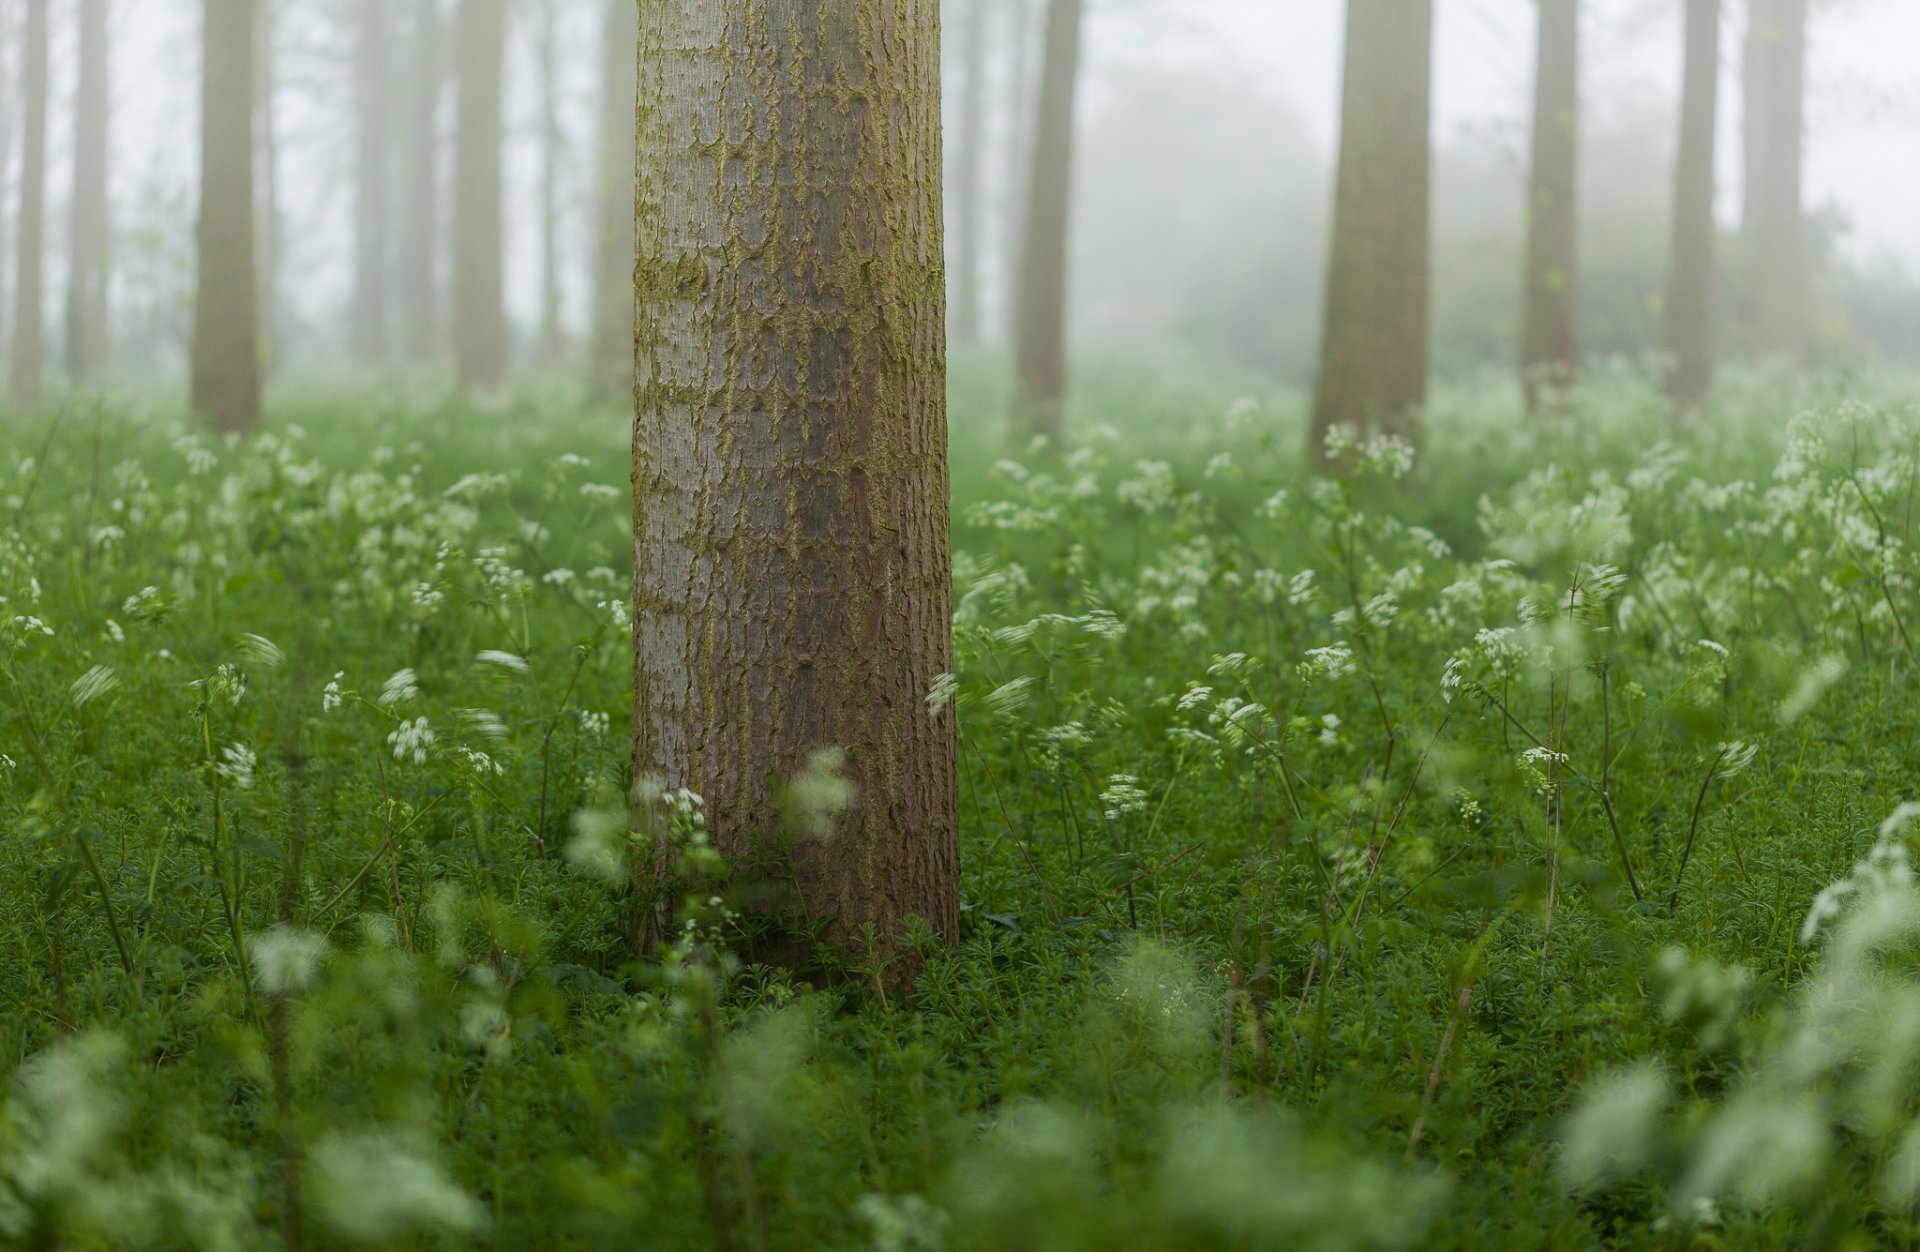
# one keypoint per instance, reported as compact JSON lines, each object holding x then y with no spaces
{"x":1440,"y":854}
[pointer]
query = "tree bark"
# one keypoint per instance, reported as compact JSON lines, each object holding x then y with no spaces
{"x":87,"y":228}
{"x":226,"y":350}
{"x":28,"y":330}
{"x":551,"y":142}
{"x":792,"y":588}
{"x":1020,"y":93}
{"x":1040,"y":383}
{"x":1373,"y":345}
{"x":479,"y":310}
{"x":1550,"y":356}
{"x":267,"y":139}
{"x":969,"y":200}
{"x":1777,"y":47}
{"x":613,"y":272}
{"x":418,"y":82}
{"x":1690,"y":280}
{"x":373,"y":35}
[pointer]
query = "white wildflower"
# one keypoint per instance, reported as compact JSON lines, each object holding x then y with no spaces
{"x":402,"y":688}
{"x":412,"y":738}
{"x":236,"y":765}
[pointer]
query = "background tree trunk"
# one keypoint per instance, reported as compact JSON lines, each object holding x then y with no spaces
{"x":1690,"y":276}
{"x":226,"y":350}
{"x":969,"y":198}
{"x":792,"y":585}
{"x":1550,"y":356}
{"x":1020,"y":92}
{"x":87,"y":242}
{"x":1777,"y":44}
{"x":1373,"y":347}
{"x":419,"y":78}
{"x":551,"y":143}
{"x":373,"y":36}
{"x":1040,"y":384}
{"x":613,"y":272}
{"x":267,"y":138}
{"x":28,"y":344}
{"x":479,"y":312}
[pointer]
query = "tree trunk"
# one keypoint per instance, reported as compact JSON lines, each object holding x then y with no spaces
{"x":1690,"y":275}
{"x":1020,"y":93}
{"x":418,"y":80}
{"x":373,"y":36}
{"x":969,"y":200}
{"x":1040,"y":383}
{"x":226,"y":351}
{"x":1756,"y":62}
{"x":792,"y":584}
{"x":613,"y":272}
{"x":479,"y":312}
{"x":28,"y":348}
{"x":551,"y":141}
{"x":1778,"y":42}
{"x":1550,"y":355}
{"x":266,"y":121}
{"x":87,"y":230}
{"x":1373,"y":344}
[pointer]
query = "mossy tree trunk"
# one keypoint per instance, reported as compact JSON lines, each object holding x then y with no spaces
{"x":226,"y":349}
{"x":1690,"y":275}
{"x":613,"y":272}
{"x":418,"y":82}
{"x":29,"y":347}
{"x":792,"y":588}
{"x":1040,"y":379}
{"x":1550,"y":354}
{"x":1777,"y":69}
{"x":1373,"y":340}
{"x":373,"y":38}
{"x":479,"y":299}
{"x":87,"y":208}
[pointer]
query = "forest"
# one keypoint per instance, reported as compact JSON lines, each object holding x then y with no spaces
{"x":959,"y":625}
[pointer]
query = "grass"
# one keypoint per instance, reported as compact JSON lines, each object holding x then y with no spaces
{"x":1414,"y":859}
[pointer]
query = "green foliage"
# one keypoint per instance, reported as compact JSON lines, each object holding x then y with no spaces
{"x":1455,"y":853}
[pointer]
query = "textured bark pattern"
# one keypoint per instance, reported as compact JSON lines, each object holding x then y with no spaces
{"x":1777,"y":50}
{"x":479,"y":300}
{"x":373,"y":36}
{"x":1373,"y":346}
{"x":418,"y":80}
{"x":969,"y":198}
{"x":226,"y":352}
{"x":87,"y":226}
{"x":28,"y":342}
{"x":1690,"y":273}
{"x":613,"y":289}
{"x":1550,"y":354}
{"x":792,"y":588}
{"x":1040,"y":383}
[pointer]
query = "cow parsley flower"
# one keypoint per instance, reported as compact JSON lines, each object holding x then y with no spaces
{"x":1122,"y":796}
{"x":412,"y":739}
{"x":236,"y":765}
{"x":402,"y":688}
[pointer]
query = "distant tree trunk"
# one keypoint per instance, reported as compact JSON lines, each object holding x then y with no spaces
{"x":1040,"y":383}
{"x":9,"y":112}
{"x":479,"y":312}
{"x":373,"y":35}
{"x":552,"y":139}
{"x":613,"y":270}
{"x":87,"y":230}
{"x":226,"y":350}
{"x":1550,"y":355}
{"x":1777,"y":41}
{"x":1756,"y":63}
{"x":1373,"y":344}
{"x":970,"y":201}
{"x":28,"y":345}
{"x":792,"y":585}
{"x":1690,"y":275}
{"x":419,"y":79}
{"x":1020,"y":93}
{"x":266,"y":124}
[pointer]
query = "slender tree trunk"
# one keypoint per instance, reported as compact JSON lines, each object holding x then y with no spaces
{"x":28,"y":347}
{"x":970,"y":201}
{"x":613,"y":270}
{"x":226,"y":350}
{"x":1779,"y":233}
{"x":1040,"y":383}
{"x":1021,"y":90}
{"x":87,"y":230}
{"x":1550,"y":355}
{"x":1373,"y":344}
{"x":792,"y":586}
{"x":9,"y":119}
{"x":419,"y":80}
{"x":1690,"y":276}
{"x":267,"y":140}
{"x":1755,"y":66}
{"x":373,"y":36}
{"x":479,"y":312}
{"x":551,"y":140}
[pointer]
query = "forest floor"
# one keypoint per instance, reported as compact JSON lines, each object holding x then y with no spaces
{"x":1503,"y":847}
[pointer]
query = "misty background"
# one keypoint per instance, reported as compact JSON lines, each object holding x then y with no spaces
{"x":1202,"y":187}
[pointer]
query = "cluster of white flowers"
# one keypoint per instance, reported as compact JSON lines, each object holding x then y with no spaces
{"x":1122,"y":796}
{"x":402,"y":688}
{"x":237,"y":763}
{"x":412,"y":738}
